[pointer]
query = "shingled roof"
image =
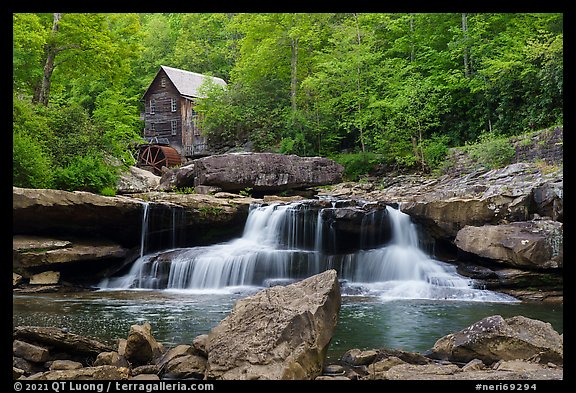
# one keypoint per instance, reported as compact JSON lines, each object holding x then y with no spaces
{"x":188,"y":83}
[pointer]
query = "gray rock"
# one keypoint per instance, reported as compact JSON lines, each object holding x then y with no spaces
{"x":495,"y":338}
{"x":265,"y":171}
{"x":530,"y":244}
{"x":137,"y":180}
{"x":281,"y":332}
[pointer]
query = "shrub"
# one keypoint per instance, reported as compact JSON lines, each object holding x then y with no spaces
{"x":435,"y":150}
{"x":88,"y":173}
{"x":492,"y":151}
{"x":31,"y":165}
{"x":357,"y":164}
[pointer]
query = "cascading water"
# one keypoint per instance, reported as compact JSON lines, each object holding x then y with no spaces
{"x":290,"y":242}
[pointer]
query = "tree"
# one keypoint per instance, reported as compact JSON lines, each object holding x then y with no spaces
{"x":75,"y":47}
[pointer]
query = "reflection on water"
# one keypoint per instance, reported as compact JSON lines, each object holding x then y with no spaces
{"x":179,"y":316}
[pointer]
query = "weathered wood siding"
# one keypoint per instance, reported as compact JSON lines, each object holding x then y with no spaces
{"x":163,"y":115}
{"x":193,"y":141}
{"x":188,"y":140}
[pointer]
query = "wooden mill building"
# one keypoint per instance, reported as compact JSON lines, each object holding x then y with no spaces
{"x":170,"y":122}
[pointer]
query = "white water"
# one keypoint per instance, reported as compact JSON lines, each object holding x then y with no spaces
{"x":269,"y":250}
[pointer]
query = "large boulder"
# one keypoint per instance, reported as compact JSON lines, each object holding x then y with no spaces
{"x":495,"y":338}
{"x":528,"y":244}
{"x":265,"y":171}
{"x":279,"y":333}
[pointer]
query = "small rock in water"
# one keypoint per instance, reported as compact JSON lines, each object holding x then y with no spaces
{"x":334,"y":369}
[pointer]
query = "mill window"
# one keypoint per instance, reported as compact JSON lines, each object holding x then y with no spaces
{"x":174,"y":125}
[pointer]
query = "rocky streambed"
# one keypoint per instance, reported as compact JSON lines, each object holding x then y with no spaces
{"x":282,"y":333}
{"x":502,"y":228}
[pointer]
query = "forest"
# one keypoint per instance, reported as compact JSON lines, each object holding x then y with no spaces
{"x":397,"y":89}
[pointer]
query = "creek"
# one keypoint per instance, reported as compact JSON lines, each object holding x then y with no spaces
{"x":395,"y":295}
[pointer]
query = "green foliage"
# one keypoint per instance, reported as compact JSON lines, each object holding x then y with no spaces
{"x":108,"y":191}
{"x":247,"y":192}
{"x":492,"y":151}
{"x":357,"y":165}
{"x":31,"y":165}
{"x":185,"y":190}
{"x":400,"y":86}
{"x":86,"y":173}
{"x":435,"y":150}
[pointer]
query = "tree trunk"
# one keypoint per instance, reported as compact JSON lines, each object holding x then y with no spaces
{"x":51,"y":51}
{"x":465,"y":31}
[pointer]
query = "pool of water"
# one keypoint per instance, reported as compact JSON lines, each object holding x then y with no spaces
{"x":179,"y":316}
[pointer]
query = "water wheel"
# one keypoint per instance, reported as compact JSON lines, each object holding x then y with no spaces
{"x":154,"y":157}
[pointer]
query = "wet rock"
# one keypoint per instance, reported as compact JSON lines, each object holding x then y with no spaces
{"x":495,"y":338}
{"x":278,"y":333}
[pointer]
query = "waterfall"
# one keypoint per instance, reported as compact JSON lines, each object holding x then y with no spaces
{"x":294,"y":241}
